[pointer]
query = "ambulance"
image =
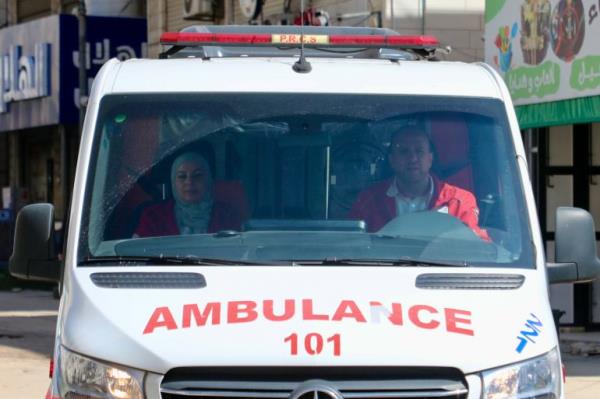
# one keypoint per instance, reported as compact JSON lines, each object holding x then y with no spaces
{"x":280,"y":212}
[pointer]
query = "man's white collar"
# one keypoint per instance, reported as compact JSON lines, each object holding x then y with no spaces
{"x":393,"y":191}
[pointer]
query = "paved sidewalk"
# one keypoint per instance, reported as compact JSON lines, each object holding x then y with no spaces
{"x":581,"y":355}
{"x":583,"y":376}
{"x":27,"y":325}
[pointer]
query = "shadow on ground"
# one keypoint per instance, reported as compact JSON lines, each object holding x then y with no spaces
{"x":582,"y":366}
{"x":28,"y":321}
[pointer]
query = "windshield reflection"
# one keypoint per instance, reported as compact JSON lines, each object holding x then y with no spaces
{"x":275,"y":177}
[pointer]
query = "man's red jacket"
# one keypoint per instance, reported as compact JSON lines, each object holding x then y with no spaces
{"x":377,"y":208}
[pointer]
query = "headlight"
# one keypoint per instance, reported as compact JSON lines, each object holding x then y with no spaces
{"x":83,"y":378}
{"x":537,"y":378}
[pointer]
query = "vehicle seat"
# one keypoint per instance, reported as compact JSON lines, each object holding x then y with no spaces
{"x":453,"y":164}
{"x":140,"y":142}
{"x":232,"y":193}
{"x":452,"y":160}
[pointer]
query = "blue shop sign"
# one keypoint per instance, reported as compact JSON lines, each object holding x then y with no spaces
{"x":39,"y":61}
{"x":29,"y":74}
{"x":24,"y":76}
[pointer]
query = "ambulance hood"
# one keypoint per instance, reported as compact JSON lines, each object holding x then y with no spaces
{"x":307,"y":316}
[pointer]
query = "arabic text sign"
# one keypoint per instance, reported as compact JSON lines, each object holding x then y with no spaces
{"x":39,"y":60}
{"x":546,"y":50}
{"x":29,"y":78}
{"x":24,"y":76}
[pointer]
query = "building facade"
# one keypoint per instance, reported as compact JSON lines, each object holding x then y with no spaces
{"x":458,"y":23}
{"x":40,"y":98}
{"x":547,"y":52}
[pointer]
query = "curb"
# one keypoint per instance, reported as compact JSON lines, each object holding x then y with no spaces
{"x":580,"y":344}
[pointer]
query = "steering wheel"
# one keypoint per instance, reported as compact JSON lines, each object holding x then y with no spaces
{"x":428,"y":224}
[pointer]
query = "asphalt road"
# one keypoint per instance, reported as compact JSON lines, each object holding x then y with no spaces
{"x":27,"y":323}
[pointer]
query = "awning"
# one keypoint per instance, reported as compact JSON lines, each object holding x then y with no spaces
{"x":564,"y":112}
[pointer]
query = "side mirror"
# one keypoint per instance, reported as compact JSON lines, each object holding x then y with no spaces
{"x":575,"y":255}
{"x":34,"y":252}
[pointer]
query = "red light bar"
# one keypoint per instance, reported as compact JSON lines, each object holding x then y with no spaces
{"x":294,"y":40}
{"x":189,"y":39}
{"x":398,"y":41}
{"x":416,"y":41}
{"x":357,"y":40}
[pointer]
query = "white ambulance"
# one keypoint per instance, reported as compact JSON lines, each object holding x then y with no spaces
{"x":303,"y":213}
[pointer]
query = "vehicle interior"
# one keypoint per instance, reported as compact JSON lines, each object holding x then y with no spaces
{"x":298,"y":171}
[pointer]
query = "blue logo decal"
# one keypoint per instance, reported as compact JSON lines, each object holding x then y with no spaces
{"x":532,"y":330}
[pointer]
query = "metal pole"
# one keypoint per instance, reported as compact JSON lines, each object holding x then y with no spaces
{"x":327,"y":179}
{"x":64,"y":171}
{"x":423,"y":8}
{"x":531,"y":149}
{"x":82,"y":63}
{"x":229,"y":12}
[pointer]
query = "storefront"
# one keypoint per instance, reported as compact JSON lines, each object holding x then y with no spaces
{"x":39,"y":101}
{"x":548,"y":53}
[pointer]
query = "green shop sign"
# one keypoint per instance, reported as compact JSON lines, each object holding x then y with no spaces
{"x":548,"y":53}
{"x":585,"y":73}
{"x":538,"y":81}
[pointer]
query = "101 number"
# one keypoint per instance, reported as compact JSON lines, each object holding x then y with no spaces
{"x":314,"y":344}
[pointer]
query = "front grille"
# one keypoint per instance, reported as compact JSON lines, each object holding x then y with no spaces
{"x":470,"y":281}
{"x":159,"y":280}
{"x":314,"y":383}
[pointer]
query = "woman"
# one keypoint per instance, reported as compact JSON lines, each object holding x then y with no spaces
{"x":192,"y":209}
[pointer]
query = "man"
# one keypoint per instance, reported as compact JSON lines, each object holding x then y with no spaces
{"x":414,"y":188}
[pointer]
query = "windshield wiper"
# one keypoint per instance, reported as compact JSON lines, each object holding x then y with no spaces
{"x":377,"y":262}
{"x":126,"y":260}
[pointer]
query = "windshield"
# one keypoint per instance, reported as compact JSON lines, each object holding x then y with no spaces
{"x":317,"y":178}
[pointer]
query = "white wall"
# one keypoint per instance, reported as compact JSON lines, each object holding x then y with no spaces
{"x":113,"y":8}
{"x":456,"y":23}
